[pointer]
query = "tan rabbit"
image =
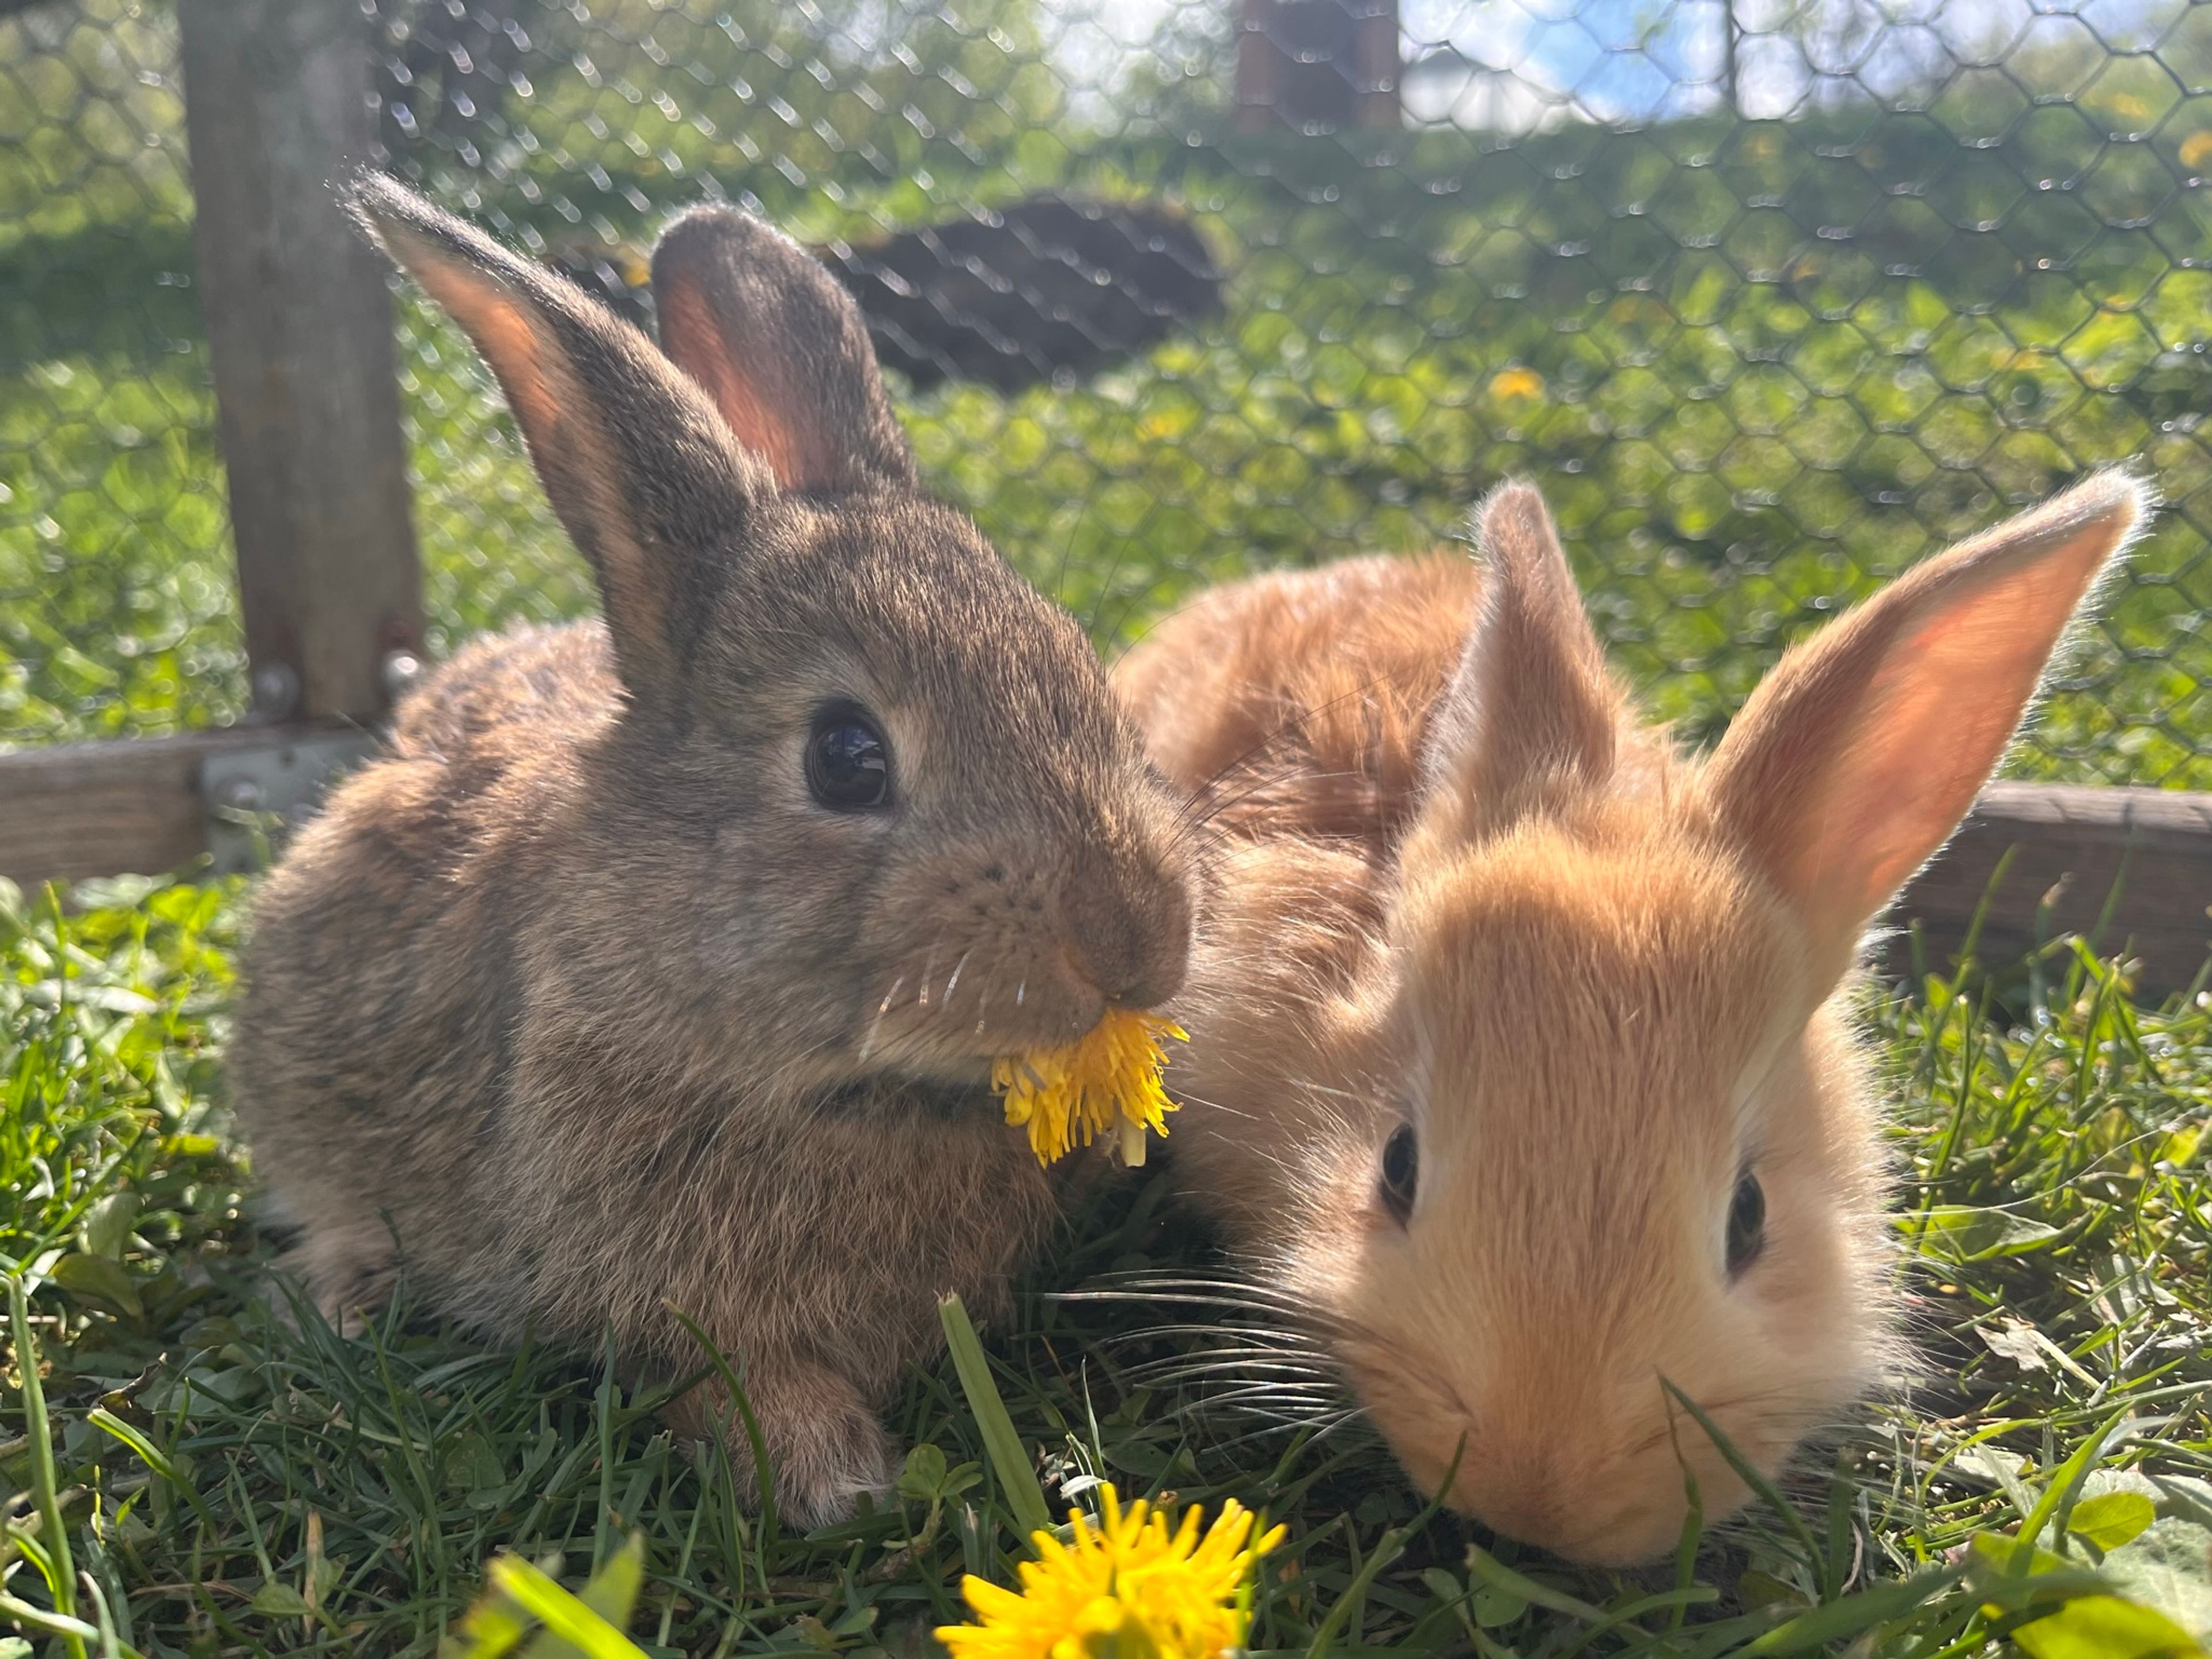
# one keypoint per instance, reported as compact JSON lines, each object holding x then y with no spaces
{"x":663,"y":962}
{"x":1519,"y":1054}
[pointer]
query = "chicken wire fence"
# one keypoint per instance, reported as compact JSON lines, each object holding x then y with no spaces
{"x":1771,"y":298}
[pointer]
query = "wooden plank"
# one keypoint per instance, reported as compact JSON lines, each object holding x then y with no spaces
{"x":95,"y":809}
{"x":102,"y":809}
{"x":1377,"y":66}
{"x":1317,"y":66}
{"x":299,"y":321}
{"x":99,"y":808}
{"x":1260,"y":66}
{"x":2145,"y":853}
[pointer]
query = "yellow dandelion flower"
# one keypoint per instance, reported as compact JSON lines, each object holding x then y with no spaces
{"x":1126,"y":1586}
{"x":1107,"y":1079}
{"x":2197,"y":150}
{"x":1517,"y":383}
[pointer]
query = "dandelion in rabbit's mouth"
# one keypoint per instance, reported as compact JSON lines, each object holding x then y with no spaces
{"x":1106,"y":1080}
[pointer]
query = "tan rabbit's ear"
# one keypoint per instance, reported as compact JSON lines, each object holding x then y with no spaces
{"x":1532,"y":706}
{"x":637,"y":464}
{"x":782,"y":349}
{"x":1859,"y":754}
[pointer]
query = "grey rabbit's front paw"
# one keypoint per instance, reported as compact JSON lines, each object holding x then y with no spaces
{"x":346,"y":1272}
{"x":824,"y":1443}
{"x":605,"y":1004}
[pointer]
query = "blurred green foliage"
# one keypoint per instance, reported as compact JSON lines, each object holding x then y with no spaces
{"x":1757,"y":365}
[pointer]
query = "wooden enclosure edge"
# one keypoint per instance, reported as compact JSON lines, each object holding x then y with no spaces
{"x":118,"y":806}
{"x":2130,"y":868}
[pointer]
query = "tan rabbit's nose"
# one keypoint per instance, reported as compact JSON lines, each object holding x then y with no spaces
{"x":1561,"y":1516}
{"x":1545,"y":1488}
{"x":1126,"y":925}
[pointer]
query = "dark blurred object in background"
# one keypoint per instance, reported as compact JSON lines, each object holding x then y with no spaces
{"x":1049,"y":288}
{"x":446,"y":69}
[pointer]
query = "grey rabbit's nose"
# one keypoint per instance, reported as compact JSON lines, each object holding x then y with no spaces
{"x":1127,"y":925}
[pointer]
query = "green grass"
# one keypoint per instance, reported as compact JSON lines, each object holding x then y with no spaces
{"x":1737,"y":430}
{"x":314,"y":1494}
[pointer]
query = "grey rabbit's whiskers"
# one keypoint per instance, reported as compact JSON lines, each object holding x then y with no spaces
{"x":875,"y":1024}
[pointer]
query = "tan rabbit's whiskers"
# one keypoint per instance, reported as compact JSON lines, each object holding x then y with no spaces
{"x":1518,"y":1059}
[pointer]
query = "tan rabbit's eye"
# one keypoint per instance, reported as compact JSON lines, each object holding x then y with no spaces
{"x":1401,"y":1172}
{"x":1747,"y":1223}
{"x":848,"y":764}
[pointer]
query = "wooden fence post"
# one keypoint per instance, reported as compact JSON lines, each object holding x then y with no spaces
{"x":1317,"y":65}
{"x":299,"y":322}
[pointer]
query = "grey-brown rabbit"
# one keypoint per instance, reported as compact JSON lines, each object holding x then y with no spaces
{"x":661,"y":963}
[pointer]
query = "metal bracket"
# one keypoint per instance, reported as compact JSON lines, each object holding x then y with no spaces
{"x":253,"y":797}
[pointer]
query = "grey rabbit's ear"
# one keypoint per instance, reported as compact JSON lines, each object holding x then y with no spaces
{"x":782,"y":349}
{"x":640,"y":469}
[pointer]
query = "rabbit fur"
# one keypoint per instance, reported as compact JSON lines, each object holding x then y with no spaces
{"x":1520,"y":1061}
{"x":577,"y":1007}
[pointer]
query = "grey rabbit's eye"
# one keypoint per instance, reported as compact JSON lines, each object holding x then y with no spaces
{"x":848,"y":764}
{"x":1747,"y":1223}
{"x":1401,"y":1172}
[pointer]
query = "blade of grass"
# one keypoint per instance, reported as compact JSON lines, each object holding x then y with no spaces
{"x":1673,"y":1602}
{"x":1693,"y":1528}
{"x":73,"y":1631}
{"x":111,"y":1640}
{"x":1495,"y":1572}
{"x":1834,"y":1621}
{"x":2059,"y":1493}
{"x":563,"y":1615}
{"x":763,"y":1471}
{"x":1387,"y":1550}
{"x":1010,"y":1459}
{"x":1748,"y":1473}
{"x":61,"y":1583}
{"x":605,"y":1403}
{"x":153,"y":1458}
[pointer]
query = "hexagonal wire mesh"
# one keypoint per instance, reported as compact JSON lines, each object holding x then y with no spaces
{"x":1771,"y":297}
